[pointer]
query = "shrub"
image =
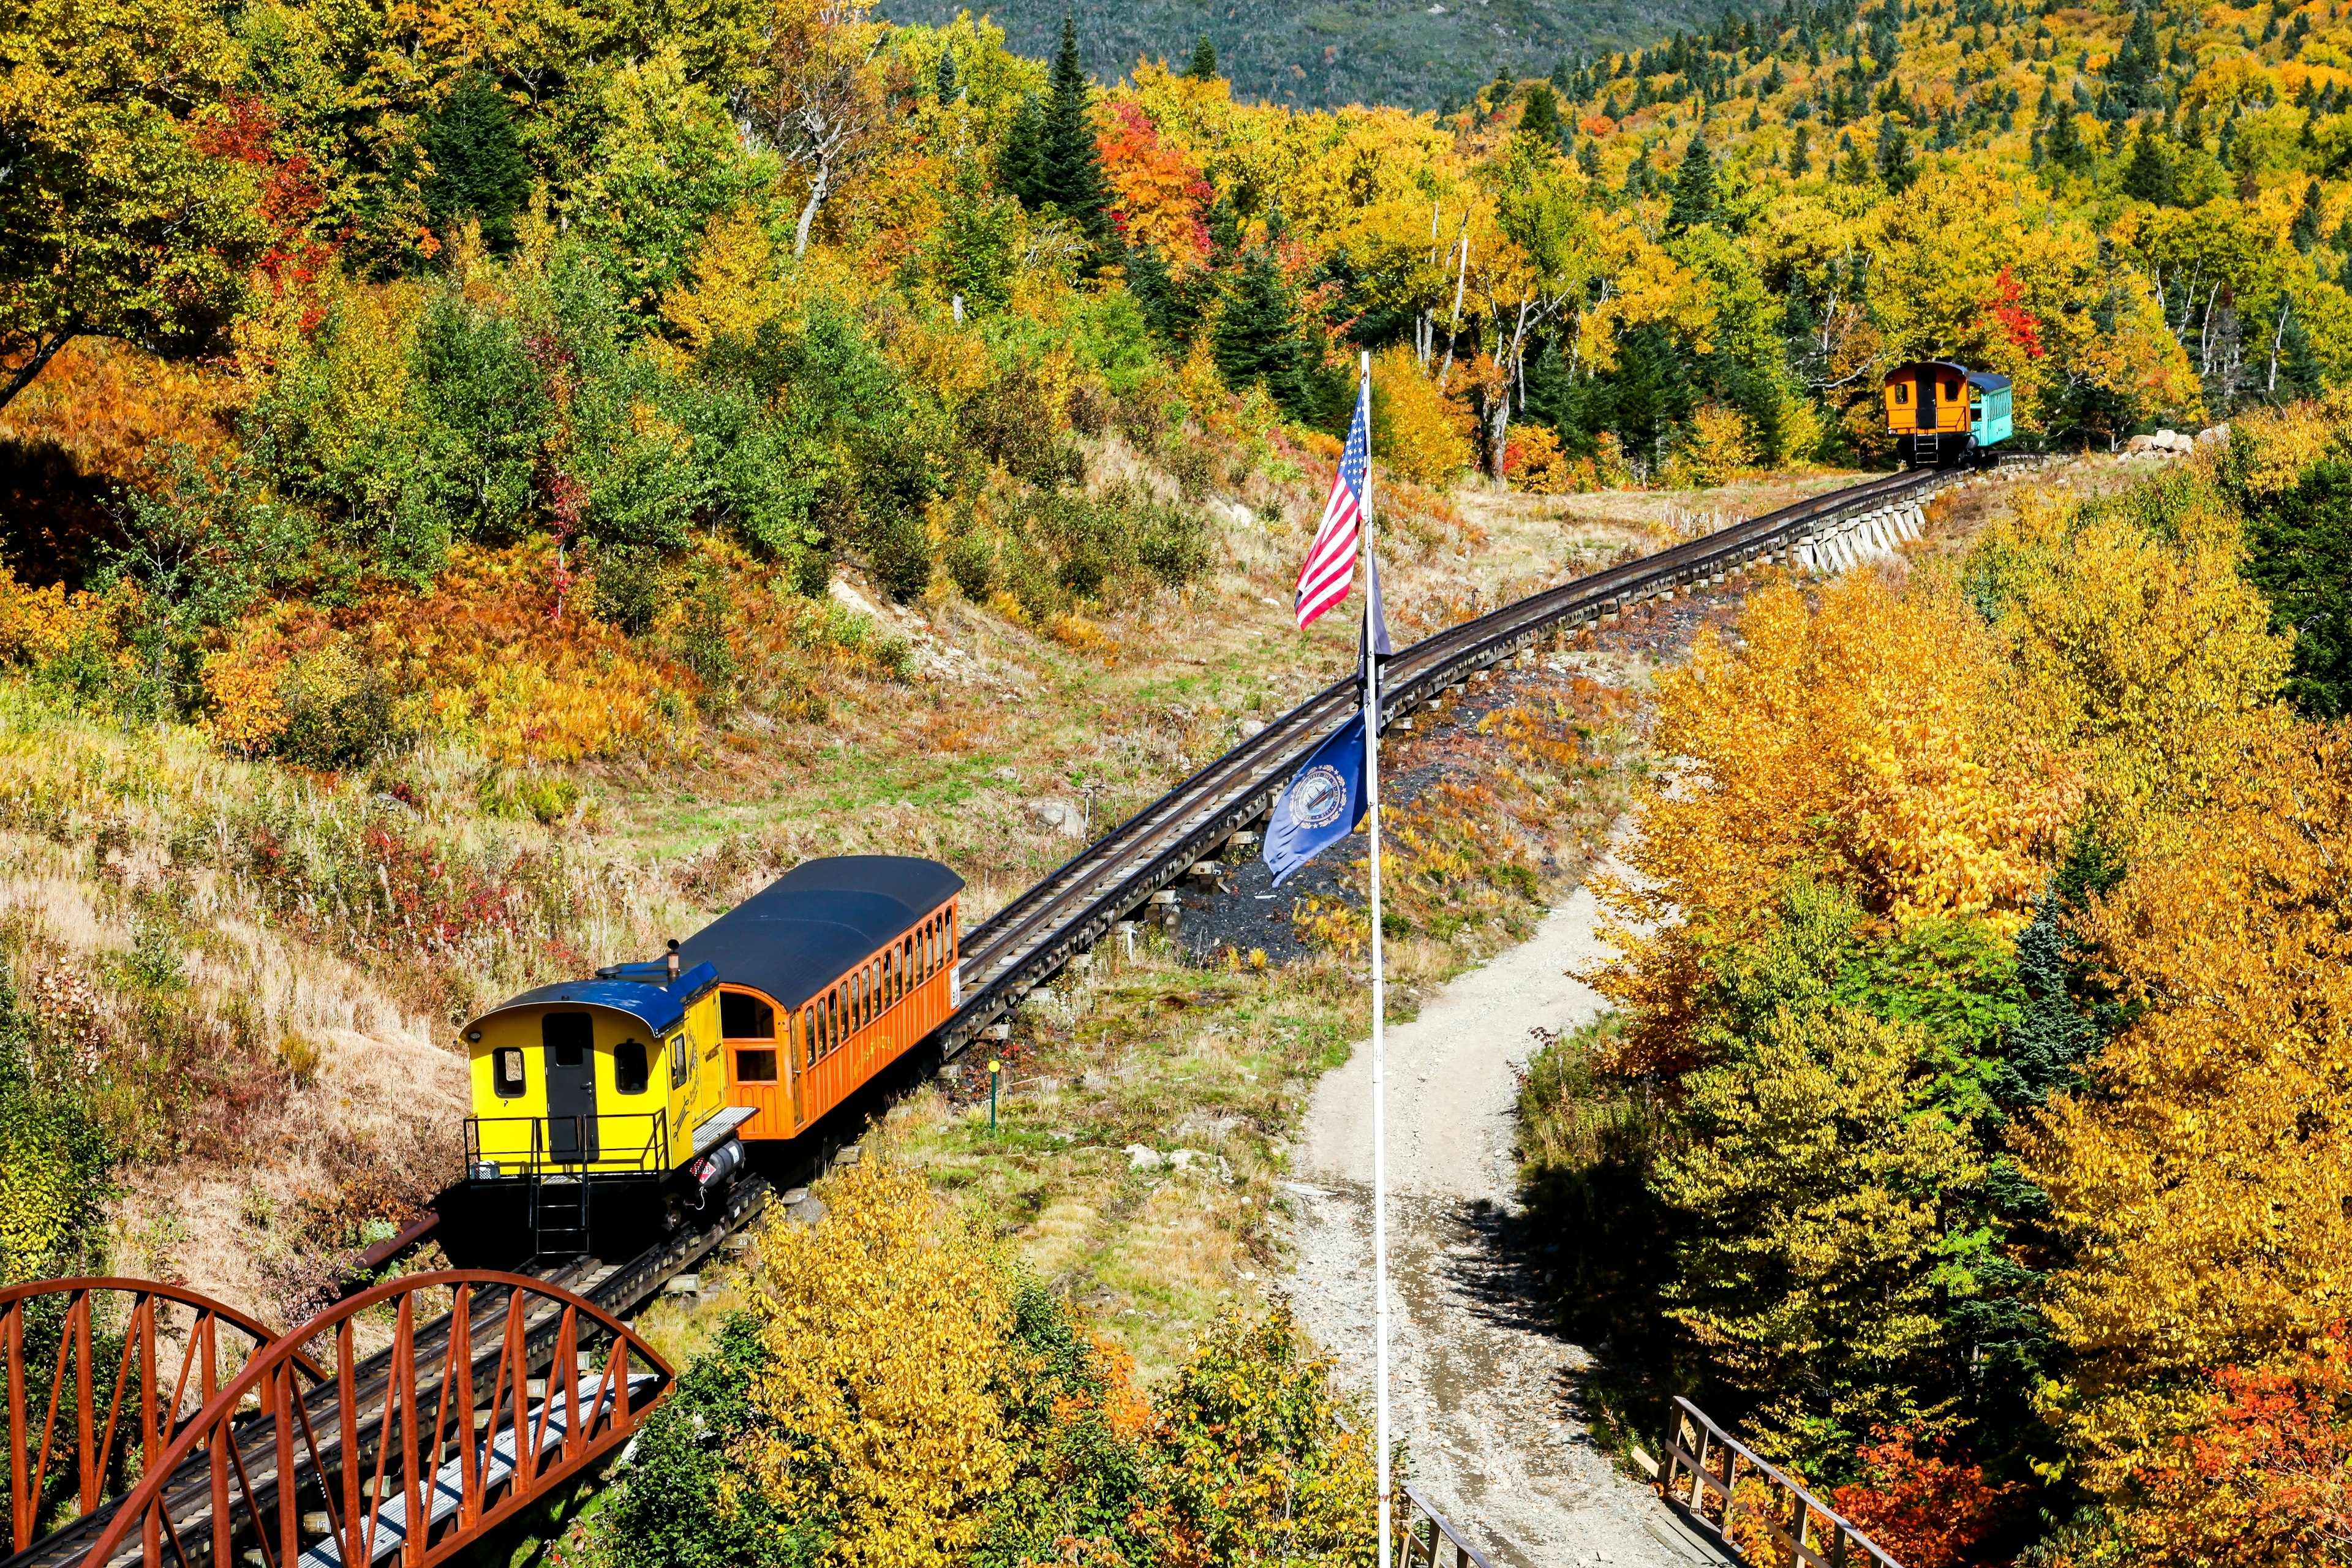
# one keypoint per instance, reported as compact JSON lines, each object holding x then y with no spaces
{"x":1719,"y":446}
{"x":1254,"y":1462}
{"x":54,"y":1161}
{"x":885,"y":1330}
{"x":338,"y":712}
{"x":1421,"y":433}
{"x":685,"y":1500}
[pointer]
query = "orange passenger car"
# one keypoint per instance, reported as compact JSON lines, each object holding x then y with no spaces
{"x":827,"y":975}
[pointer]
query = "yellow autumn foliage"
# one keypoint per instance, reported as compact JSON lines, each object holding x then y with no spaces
{"x":2154,"y":660}
{"x":39,"y":624}
{"x":735,"y":291}
{"x":2205,"y":1179}
{"x":1721,"y":447}
{"x":1418,"y":431}
{"x":888,"y":1328}
{"x":1864,"y":743}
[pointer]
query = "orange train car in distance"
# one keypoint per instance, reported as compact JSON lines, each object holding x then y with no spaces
{"x":825,"y":976}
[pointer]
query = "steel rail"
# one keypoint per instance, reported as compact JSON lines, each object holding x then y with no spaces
{"x":1029,"y":940}
{"x":614,"y":1290}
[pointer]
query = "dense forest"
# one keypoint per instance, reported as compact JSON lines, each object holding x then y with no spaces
{"x":526,"y":381}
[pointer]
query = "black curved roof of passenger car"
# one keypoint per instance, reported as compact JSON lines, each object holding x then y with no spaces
{"x":811,"y":926}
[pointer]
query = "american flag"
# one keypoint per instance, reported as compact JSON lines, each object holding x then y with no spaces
{"x":1330,"y":566}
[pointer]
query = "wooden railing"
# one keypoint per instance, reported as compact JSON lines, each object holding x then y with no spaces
{"x":1807,"y":1530}
{"x":1426,"y":1529}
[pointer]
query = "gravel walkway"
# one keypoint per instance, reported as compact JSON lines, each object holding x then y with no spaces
{"x":1482,"y":1386}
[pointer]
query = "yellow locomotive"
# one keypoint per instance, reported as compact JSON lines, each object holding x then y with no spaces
{"x":1942,"y":414}
{"x":617,"y":1105}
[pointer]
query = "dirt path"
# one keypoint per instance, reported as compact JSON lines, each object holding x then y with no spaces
{"x":1481,"y":1385}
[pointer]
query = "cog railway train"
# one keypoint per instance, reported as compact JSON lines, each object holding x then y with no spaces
{"x":619,"y":1107}
{"x":1944,"y":415}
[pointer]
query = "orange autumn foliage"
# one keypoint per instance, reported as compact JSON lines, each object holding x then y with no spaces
{"x":1865,"y":745}
{"x":1927,"y":1508}
{"x":39,"y":623}
{"x":2264,"y":1477}
{"x":113,"y":406}
{"x":497,"y":665}
{"x":1160,"y":193}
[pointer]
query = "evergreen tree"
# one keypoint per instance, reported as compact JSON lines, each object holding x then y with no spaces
{"x":1070,"y":164}
{"x":1637,"y":174}
{"x":1773,"y":80}
{"x":1540,"y":124}
{"x":2147,"y":177}
{"x":950,"y":90}
{"x":1205,"y":60}
{"x":1853,"y":165}
{"x":1497,"y":93}
{"x":479,"y":169}
{"x":1895,"y":167}
{"x":1587,"y":159}
{"x":1021,"y":156}
{"x":2134,"y":68}
{"x":1695,"y":195}
{"x":2299,"y":554}
{"x":1224,"y":227}
{"x":2308,"y":219}
{"x":1171,"y":309}
{"x":1800,"y":161}
{"x":1257,"y":337}
{"x":2063,"y":144}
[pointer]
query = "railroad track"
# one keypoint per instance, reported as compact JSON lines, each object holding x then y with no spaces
{"x":1029,"y":940}
{"x":615,"y":1286}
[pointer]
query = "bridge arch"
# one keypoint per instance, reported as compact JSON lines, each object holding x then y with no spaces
{"x":445,"y":1436}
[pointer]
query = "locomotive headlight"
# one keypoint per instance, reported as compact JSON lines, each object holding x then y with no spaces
{"x":488,"y":1170}
{"x":475,"y":1035}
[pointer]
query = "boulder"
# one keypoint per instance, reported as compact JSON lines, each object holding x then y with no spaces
{"x":1058,"y":815}
{"x":2165,"y":440}
{"x":1143,"y":1157}
{"x":2213,"y":435}
{"x":2139,"y":443}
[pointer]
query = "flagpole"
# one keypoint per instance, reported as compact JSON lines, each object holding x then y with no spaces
{"x":1379,"y":1002}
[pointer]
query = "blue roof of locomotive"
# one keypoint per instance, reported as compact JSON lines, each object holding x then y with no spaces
{"x":659,"y":1006}
{"x":809,"y":927}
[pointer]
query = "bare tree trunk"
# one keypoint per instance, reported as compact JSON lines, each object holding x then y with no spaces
{"x":43,"y":351}
{"x":820,"y":181}
{"x":1453,"y":327}
{"x":2278,"y":336}
{"x":2205,"y":334}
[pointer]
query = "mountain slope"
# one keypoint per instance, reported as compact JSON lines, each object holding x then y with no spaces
{"x":1322,"y":53}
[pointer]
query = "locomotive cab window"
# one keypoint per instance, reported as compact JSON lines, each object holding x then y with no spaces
{"x":742,"y":1017}
{"x":679,"y":1060}
{"x":755,"y":1067}
{"x":507,"y":1073}
{"x":630,"y":1071}
{"x":1902,"y":393}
